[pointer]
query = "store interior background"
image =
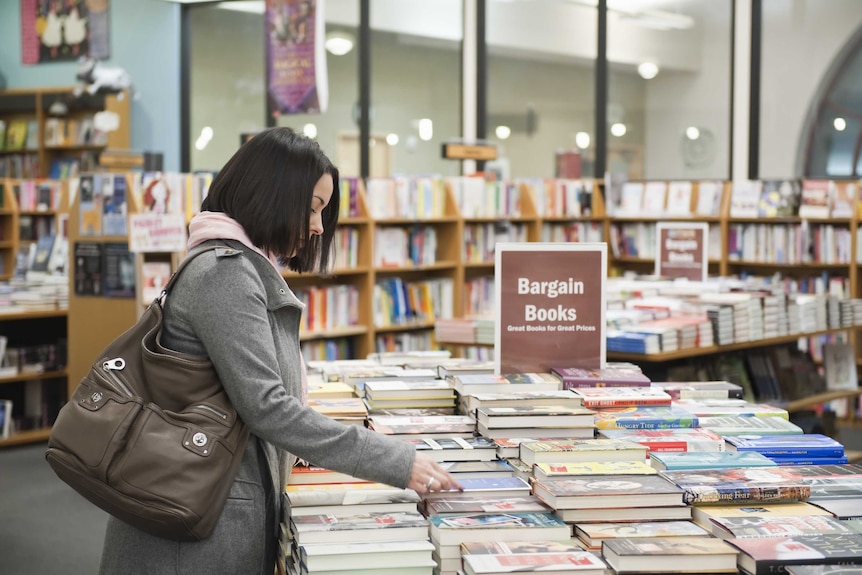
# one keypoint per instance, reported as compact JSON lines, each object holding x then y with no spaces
{"x":541,"y":57}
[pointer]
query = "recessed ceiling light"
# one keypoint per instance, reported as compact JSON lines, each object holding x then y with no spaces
{"x":339,"y":43}
{"x":648,"y":70}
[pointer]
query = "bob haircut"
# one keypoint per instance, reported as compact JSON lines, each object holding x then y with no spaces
{"x":267,"y":188}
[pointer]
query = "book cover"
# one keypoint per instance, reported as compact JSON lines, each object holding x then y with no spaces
{"x":452,"y":530}
{"x":118,"y":270}
{"x":576,"y":377}
{"x":822,"y":570}
{"x":517,"y":547}
{"x":729,"y":407}
{"x":603,"y":492}
{"x":572,"y":451}
{"x":749,"y":484}
{"x":644,"y":417}
{"x":456,"y":449}
{"x":493,"y":466}
{"x":763,"y":555}
{"x":534,"y":416}
{"x":374,"y":555}
{"x":488,"y":486}
{"x":90,"y":205}
{"x":596,"y":397}
{"x":592,"y":534}
{"x":114,"y":207}
{"x":700,"y":389}
{"x":154,"y":276}
{"x":87,"y":272}
{"x":397,"y":425}
{"x":505,"y":383}
{"x":541,"y":470}
{"x":741,"y":425}
{"x":809,"y":444}
{"x":669,"y":555}
{"x":777,"y":526}
{"x":347,"y":494}
{"x":704,"y":514}
{"x":840,"y":507}
{"x":718,"y":460}
{"x":570,"y":562}
{"x":680,"y":440}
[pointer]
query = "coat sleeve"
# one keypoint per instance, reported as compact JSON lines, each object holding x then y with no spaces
{"x":223,"y":305}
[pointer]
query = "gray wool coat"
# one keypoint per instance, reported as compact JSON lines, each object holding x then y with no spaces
{"x":231,"y":305}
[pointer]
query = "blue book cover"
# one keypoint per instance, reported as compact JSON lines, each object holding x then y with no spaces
{"x":714,"y":460}
{"x":805,"y":460}
{"x":493,"y":484}
{"x":807,"y":444}
{"x":644,"y":417}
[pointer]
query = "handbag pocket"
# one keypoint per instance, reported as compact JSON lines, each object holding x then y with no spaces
{"x":169,"y":460}
{"x":93,"y":425}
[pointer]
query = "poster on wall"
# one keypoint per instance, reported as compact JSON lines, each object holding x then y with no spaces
{"x":296,"y":80}
{"x":64,"y":30}
{"x":550,"y":300}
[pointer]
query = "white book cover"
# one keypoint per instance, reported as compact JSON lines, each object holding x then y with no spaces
{"x":745,"y":199}
{"x":654,"y":198}
{"x":679,"y":199}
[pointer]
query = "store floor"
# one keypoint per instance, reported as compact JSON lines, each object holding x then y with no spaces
{"x":45,"y":527}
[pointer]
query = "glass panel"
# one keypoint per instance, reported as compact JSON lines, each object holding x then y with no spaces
{"x":228,"y":93}
{"x":541,"y":86}
{"x":669,"y":88}
{"x":809,"y":77}
{"x":415,"y":86}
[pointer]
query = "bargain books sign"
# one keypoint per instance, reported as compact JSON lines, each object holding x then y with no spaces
{"x":550,"y":306}
{"x":682,"y":250}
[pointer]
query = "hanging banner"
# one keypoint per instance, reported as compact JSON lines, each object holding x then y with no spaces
{"x":296,"y":81}
{"x":682,"y":250}
{"x":550,"y":306}
{"x":64,"y":30}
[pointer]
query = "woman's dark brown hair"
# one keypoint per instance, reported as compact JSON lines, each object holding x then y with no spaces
{"x":267,"y":187}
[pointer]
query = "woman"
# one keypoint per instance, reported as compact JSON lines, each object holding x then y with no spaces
{"x":275,"y":201}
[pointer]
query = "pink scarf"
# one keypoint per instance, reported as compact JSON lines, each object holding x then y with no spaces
{"x":219,"y":226}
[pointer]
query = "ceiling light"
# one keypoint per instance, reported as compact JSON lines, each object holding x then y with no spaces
{"x":310,"y":131}
{"x":692,"y":133}
{"x":339,"y":43}
{"x":204,"y":138}
{"x":503,"y":132}
{"x":648,"y":70}
{"x":840,"y":124}
{"x":582,"y":140}
{"x":249,"y":6}
{"x":392,"y":139}
{"x":426,"y":129}
{"x":618,"y":129}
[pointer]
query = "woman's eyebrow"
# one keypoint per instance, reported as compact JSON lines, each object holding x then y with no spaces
{"x":320,"y":199}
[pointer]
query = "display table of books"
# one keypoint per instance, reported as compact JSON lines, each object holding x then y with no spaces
{"x":670,"y":477}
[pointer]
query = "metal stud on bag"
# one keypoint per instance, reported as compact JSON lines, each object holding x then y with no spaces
{"x":199,"y":439}
{"x":96,"y":397}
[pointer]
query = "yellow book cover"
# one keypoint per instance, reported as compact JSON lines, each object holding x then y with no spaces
{"x":541,"y":470}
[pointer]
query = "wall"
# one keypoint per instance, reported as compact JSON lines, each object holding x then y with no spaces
{"x":145,"y":40}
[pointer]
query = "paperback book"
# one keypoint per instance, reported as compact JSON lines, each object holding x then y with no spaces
{"x":669,"y":555}
{"x":596,"y":397}
{"x":777,"y":526}
{"x":523,"y":416}
{"x":458,"y":504}
{"x":700,"y":389}
{"x":458,"y":529}
{"x":505,"y":383}
{"x":548,"y":470}
{"x":592,"y":534}
{"x":576,"y":377}
{"x":785,"y":446}
{"x":681,"y":440}
{"x":739,"y":425}
{"x":704,"y":515}
{"x":562,"y":563}
{"x":456,"y":448}
{"x":383,"y":554}
{"x":487,"y":487}
{"x":644,"y":417}
{"x":364,"y":527}
{"x":718,"y":460}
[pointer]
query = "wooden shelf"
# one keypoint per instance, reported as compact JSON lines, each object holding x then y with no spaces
{"x":333,"y":333}
{"x":412,"y":221}
{"x":826,"y":396}
{"x":698,"y":351}
{"x":25,"y":437}
{"x":423,"y":268}
{"x":33,"y":314}
{"x":405,"y":327}
{"x":853,"y":456}
{"x":31,"y":376}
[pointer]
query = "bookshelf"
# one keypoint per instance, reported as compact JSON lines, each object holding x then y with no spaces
{"x":42,"y":138}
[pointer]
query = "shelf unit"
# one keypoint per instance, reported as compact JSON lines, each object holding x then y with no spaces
{"x":33,"y":107}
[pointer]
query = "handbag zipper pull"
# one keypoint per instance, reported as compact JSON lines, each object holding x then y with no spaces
{"x":116,"y":364}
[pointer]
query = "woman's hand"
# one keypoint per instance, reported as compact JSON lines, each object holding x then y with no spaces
{"x":428,"y":477}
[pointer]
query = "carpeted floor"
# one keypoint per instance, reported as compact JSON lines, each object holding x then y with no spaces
{"x":45,"y":527}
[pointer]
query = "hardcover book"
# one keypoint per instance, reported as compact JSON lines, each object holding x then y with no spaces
{"x":347,"y":494}
{"x":808,"y":444}
{"x":704,"y":514}
{"x":644,"y":417}
{"x":441,"y":425}
{"x":728,"y":407}
{"x":777,"y":526}
{"x":592,"y":534}
{"x":384,"y":554}
{"x":700,"y":389}
{"x":543,"y":470}
{"x":669,"y":555}
{"x":718,"y":460}
{"x":563,"y":563}
{"x":522,"y":416}
{"x":456,"y":448}
{"x":765,"y":555}
{"x":551,"y":397}
{"x":505,"y":383}
{"x":840,"y":507}
{"x":487,"y":487}
{"x":601,"y":492}
{"x":574,"y":451}
{"x":576,"y":377}
{"x":493,"y":467}
{"x":458,"y":529}
{"x":832,"y":481}
{"x":681,"y":440}
{"x":822,"y":570}
{"x":471,"y":505}
{"x":744,"y":484}
{"x":359,"y":528}
{"x":740,"y":425}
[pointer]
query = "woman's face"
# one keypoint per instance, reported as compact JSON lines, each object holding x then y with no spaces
{"x":321,"y":195}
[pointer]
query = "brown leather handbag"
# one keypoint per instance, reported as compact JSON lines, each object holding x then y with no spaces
{"x":150,"y":435}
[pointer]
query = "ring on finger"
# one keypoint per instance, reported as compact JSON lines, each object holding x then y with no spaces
{"x":430,"y":482}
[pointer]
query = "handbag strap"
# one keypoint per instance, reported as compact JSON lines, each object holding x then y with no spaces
{"x":189,"y":257}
